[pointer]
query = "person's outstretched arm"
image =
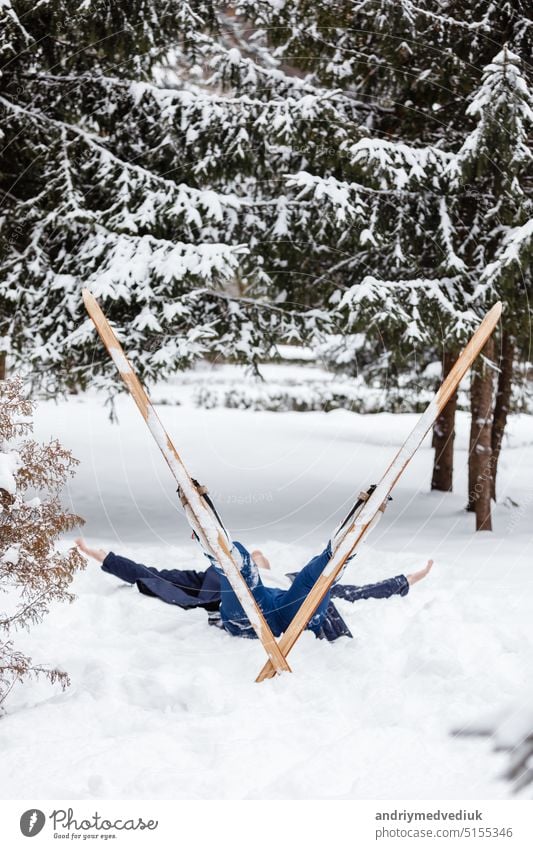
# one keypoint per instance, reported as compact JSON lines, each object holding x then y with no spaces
{"x":399,"y":585}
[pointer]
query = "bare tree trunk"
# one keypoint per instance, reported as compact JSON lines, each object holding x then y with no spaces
{"x":480,"y":459}
{"x":444,"y":435}
{"x":502,"y":403}
{"x":2,"y":365}
{"x":475,"y":386}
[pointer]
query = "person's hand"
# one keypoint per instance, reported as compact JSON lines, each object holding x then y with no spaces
{"x":96,"y":553}
{"x":417,"y":576}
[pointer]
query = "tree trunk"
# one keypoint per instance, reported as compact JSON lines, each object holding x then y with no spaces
{"x":2,"y":365}
{"x":475,"y":385}
{"x":444,"y":435}
{"x":480,"y":459}
{"x":502,"y":403}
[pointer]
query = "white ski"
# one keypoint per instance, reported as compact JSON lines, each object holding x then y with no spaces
{"x":212,"y":534}
{"x":366,"y":517}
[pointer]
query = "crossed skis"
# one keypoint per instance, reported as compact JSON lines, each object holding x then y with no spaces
{"x":361,"y":519}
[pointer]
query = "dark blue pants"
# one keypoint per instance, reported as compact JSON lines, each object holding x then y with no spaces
{"x":279,"y":607}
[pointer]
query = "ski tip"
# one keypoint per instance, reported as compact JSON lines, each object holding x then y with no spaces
{"x":492,"y":317}
{"x":88,"y":297}
{"x":91,"y":304}
{"x":496,"y":310}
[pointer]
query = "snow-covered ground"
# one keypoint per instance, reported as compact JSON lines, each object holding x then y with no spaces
{"x":162,"y":706}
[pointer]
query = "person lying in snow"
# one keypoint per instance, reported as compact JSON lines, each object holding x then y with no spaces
{"x":211,"y":590}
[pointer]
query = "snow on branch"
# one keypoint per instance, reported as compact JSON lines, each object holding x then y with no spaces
{"x":15,"y":37}
{"x":515,"y":250}
{"x":342,"y":196}
{"x":446,"y":230}
{"x":397,"y":166}
{"x":407,"y":304}
{"x":503,"y":108}
{"x":122,"y":261}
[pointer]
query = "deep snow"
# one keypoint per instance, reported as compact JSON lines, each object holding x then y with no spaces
{"x":161,"y":706}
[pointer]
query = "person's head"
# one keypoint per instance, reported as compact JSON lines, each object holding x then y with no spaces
{"x":259,"y":558}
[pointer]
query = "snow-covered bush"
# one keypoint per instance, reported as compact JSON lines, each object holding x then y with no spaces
{"x":312,"y":395}
{"x":282,"y":397}
{"x":33,"y":573}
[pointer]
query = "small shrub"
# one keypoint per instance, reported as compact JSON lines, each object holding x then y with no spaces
{"x":32,"y":572}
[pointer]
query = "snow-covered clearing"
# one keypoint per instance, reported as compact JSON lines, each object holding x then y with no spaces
{"x":162,"y":706}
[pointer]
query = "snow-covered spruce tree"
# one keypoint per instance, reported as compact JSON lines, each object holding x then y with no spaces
{"x":309,"y":238}
{"x":308,"y":253}
{"x":383,"y":210}
{"x":491,"y":208}
{"x":33,"y":573}
{"x":305,"y":247}
{"x":80,"y":206}
{"x":395,"y":72}
{"x":486,"y":229}
{"x":407,"y":66}
{"x":106,"y":181}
